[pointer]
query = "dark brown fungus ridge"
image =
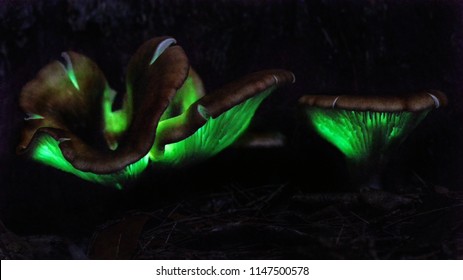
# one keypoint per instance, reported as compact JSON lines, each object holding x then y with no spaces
{"x":410,"y":103}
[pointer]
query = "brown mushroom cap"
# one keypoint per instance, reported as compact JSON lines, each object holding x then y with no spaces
{"x":65,"y":102}
{"x":220,"y":101}
{"x":60,"y":105}
{"x":425,"y":100}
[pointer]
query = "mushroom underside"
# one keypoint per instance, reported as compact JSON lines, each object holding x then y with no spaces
{"x":360,"y":135}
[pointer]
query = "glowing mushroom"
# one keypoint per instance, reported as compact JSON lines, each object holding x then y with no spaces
{"x":366,"y":128}
{"x":71,"y":124}
{"x":216,"y":120}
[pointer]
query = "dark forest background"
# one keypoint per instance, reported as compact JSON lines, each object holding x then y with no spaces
{"x":334,"y":47}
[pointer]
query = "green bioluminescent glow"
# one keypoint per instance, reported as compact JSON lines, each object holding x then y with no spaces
{"x":358,"y":134}
{"x":48,"y":152}
{"x":183,"y":99}
{"x":72,"y":77}
{"x":70,"y":71}
{"x":187,"y":94}
{"x":217,"y":134}
{"x":115,"y":122}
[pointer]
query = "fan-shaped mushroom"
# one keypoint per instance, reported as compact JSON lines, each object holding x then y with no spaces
{"x":71,"y":125}
{"x":215,"y":121}
{"x":366,"y":128}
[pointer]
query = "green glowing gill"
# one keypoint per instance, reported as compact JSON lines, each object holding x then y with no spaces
{"x":48,"y":152}
{"x":185,"y":96}
{"x":358,"y":134}
{"x":115,"y":122}
{"x":213,"y":137}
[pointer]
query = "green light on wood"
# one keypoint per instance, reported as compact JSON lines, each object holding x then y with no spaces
{"x":213,"y":137}
{"x":358,"y":134}
{"x":48,"y":152}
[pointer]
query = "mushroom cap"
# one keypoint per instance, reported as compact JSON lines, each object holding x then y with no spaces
{"x":421,"y":101}
{"x":221,"y":100}
{"x":65,"y":97}
{"x":71,"y":124}
{"x":216,"y":120}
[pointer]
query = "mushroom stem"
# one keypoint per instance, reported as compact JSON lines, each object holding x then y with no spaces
{"x":367,"y":174}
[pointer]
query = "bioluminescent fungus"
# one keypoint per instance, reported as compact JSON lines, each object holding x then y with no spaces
{"x":165,"y":117}
{"x":366,"y":128}
{"x":48,"y":152}
{"x":216,"y":120}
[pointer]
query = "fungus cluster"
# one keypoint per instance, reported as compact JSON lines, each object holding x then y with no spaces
{"x":165,"y":116}
{"x":367,"y":128}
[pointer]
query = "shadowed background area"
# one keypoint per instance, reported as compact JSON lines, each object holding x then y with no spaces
{"x":335,"y":47}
